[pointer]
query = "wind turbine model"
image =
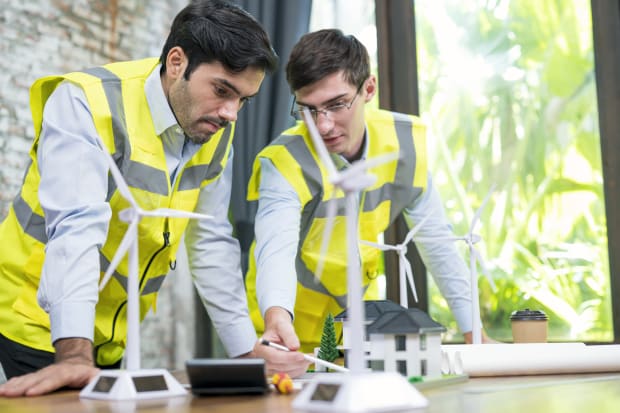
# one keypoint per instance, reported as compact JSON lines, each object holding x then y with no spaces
{"x":357,"y":390}
{"x":474,"y":256}
{"x":405,"y":272}
{"x":133,"y":382}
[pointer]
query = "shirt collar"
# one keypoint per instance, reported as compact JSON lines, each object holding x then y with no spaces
{"x":162,"y":115}
{"x":342,"y":163}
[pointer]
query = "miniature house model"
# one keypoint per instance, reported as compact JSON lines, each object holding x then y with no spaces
{"x":403,"y":340}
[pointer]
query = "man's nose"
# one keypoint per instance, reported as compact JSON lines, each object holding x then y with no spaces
{"x":229,"y":109}
{"x":324,"y":122}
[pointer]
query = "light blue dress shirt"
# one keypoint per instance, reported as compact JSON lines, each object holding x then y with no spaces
{"x":74,"y":178}
{"x":277,"y":236}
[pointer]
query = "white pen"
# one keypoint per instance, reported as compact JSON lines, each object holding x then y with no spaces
{"x":306,"y":356}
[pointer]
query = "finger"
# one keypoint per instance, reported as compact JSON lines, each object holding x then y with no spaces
{"x":288,"y":336}
{"x":49,"y":379}
{"x":18,"y":386}
{"x":62,"y":375}
{"x":293,"y":369}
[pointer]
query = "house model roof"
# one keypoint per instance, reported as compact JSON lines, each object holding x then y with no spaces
{"x":387,"y":317}
{"x":373,"y":309}
{"x":405,"y":321}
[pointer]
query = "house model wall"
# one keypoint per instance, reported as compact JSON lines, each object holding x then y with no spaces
{"x":403,"y":340}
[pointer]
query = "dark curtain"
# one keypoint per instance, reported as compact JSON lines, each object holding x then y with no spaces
{"x":606,"y":39}
{"x":268,"y":113}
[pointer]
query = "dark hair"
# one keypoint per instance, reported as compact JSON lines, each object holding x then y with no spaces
{"x":216,"y":30}
{"x":324,"y":52}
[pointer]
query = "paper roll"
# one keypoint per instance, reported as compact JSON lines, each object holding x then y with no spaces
{"x":451,"y":365}
{"x":536,"y":358}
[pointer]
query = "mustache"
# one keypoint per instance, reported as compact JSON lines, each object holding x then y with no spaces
{"x":222,"y":123}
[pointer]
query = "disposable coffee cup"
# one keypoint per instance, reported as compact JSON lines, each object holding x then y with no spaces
{"x":529,"y":326}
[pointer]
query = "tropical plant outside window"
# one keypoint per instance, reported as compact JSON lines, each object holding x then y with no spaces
{"x":507,"y":88}
{"x":509,"y":91}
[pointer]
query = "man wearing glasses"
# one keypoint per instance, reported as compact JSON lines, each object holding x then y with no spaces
{"x":329,"y":74}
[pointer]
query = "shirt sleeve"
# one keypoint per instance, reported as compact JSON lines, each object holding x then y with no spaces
{"x":214,"y":260}
{"x":442,"y":259}
{"x":72,"y":193}
{"x":277,"y":237}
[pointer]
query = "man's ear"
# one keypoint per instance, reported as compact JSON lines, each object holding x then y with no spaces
{"x":370,"y":88}
{"x":176,"y":62}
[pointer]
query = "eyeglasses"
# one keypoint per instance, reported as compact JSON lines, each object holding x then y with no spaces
{"x":329,"y":111}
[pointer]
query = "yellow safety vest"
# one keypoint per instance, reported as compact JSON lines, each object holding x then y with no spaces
{"x":115,"y":94}
{"x":398,"y":184}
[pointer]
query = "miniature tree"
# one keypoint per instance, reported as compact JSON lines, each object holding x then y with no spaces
{"x":328,"y":350}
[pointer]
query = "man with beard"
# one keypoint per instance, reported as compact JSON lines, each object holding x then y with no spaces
{"x":168,"y":123}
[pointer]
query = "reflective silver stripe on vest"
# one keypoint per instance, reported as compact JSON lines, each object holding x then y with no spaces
{"x":32,"y":223}
{"x":153,"y":284}
{"x":137,"y":175}
{"x":193,"y":176}
{"x":312,"y":175}
{"x":403,"y":187}
{"x":112,"y":87}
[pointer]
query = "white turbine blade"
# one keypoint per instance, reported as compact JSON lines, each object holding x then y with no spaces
{"x":121,"y":185}
{"x":359,"y":167}
{"x":129,"y":238}
{"x":382,"y":247}
{"x":416,"y":228}
{"x":484,"y":268}
{"x":475,"y":299}
{"x":409,"y":274}
{"x":329,"y":226}
{"x":438,"y":239}
{"x":402,"y":282}
{"x":174,"y":213}
{"x":319,"y":145}
{"x":476,"y":218}
{"x":132,"y":352}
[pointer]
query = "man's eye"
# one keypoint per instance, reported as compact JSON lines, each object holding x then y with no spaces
{"x":336,"y":107}
{"x":221,"y":92}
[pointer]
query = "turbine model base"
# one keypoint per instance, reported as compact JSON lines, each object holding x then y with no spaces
{"x":133,"y":385}
{"x":359,"y":392}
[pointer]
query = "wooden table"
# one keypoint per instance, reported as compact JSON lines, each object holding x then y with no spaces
{"x":532,"y":394}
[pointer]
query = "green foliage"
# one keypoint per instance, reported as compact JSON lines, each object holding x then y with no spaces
{"x":328,"y":350}
{"x":508,"y":91}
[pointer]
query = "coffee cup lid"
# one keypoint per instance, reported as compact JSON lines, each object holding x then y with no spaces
{"x":528,"y":314}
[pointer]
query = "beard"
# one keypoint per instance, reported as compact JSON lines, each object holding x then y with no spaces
{"x":198,"y":130}
{"x":203,"y":137}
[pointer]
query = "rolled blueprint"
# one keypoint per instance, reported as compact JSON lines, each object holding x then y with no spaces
{"x":533,"y":359}
{"x":448,"y":351}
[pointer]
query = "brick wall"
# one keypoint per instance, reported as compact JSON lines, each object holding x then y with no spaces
{"x":43,"y":37}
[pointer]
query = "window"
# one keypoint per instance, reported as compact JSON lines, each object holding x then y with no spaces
{"x":400,"y":343}
{"x":509,"y":91}
{"x":422,"y":342}
{"x":376,"y":365}
{"x":423,"y":370}
{"x":401,"y":367}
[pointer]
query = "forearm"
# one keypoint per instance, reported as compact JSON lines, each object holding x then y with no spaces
{"x":441,"y":257}
{"x":74,"y":351}
{"x":277,"y":237}
{"x":214,"y":259}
